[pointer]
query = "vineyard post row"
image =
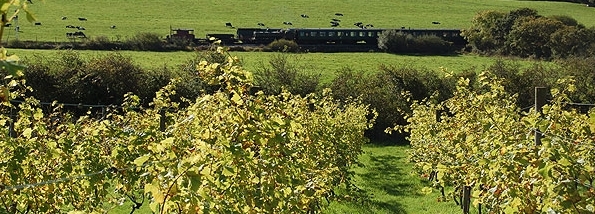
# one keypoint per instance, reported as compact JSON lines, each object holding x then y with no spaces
{"x":162,"y":118}
{"x":540,"y":100}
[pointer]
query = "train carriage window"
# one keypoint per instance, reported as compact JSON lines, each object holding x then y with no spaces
{"x":362,"y":34}
{"x":370,"y":34}
{"x":352,"y":33}
{"x":322,"y":33}
{"x":301,"y":33}
{"x":314,"y":33}
{"x":331,"y":33}
{"x":339,"y":33}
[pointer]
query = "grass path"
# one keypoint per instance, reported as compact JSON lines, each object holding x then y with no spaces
{"x":387,"y":178}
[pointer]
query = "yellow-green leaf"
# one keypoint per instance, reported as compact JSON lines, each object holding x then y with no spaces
{"x":141,"y":160}
{"x":27,"y":133}
{"x":155,"y":192}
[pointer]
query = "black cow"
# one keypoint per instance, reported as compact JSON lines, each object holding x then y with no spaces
{"x":82,"y":19}
{"x":338,"y":14}
{"x":228,"y":24}
{"x":305,"y":16}
{"x":435,"y":22}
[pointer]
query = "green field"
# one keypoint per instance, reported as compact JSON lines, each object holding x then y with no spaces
{"x":324,"y":63}
{"x":205,"y":16}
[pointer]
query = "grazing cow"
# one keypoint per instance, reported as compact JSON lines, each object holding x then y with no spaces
{"x":82,"y":19}
{"x":435,"y":22}
{"x":80,"y":28}
{"x":336,"y":20}
{"x":261,"y":24}
{"x":76,"y":35}
{"x":228,"y":24}
{"x":70,"y":26}
{"x":37,"y":23}
{"x":334,"y":24}
{"x":113,"y":27}
{"x":80,"y":34}
{"x":64,"y":17}
{"x":7,"y":25}
{"x":287,"y":23}
{"x":359,"y":24}
{"x":369,"y":26}
{"x":338,"y":14}
{"x":305,"y":16}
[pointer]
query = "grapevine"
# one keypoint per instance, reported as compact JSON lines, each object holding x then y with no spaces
{"x":486,"y":142}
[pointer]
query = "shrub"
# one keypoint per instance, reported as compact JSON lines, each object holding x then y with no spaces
{"x":102,"y":43}
{"x":390,"y":92}
{"x":146,"y":41}
{"x":395,"y":41}
{"x":392,"y":41}
{"x":283,"y":45}
{"x":69,"y":78}
{"x":283,"y":72}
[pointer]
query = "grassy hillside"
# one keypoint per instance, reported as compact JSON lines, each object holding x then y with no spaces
{"x":204,"y":16}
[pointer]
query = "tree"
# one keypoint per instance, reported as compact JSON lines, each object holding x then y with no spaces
{"x":481,"y":34}
{"x":531,"y":37}
{"x":392,"y":41}
{"x":572,"y":41}
{"x":284,"y":73}
{"x":489,"y":29}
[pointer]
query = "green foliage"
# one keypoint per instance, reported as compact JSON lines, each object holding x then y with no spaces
{"x":285,"y":72}
{"x":573,"y":41}
{"x":486,"y":143}
{"x":146,"y":41}
{"x":531,"y":37}
{"x":567,"y":20}
{"x":481,"y":35}
{"x":283,"y":45}
{"x":228,"y":151}
{"x":104,"y":79}
{"x":395,"y":41}
{"x":525,"y":33}
{"x":390,"y":93}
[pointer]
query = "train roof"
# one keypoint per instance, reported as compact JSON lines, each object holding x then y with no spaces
{"x":377,"y":29}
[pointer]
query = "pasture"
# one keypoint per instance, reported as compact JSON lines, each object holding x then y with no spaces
{"x":132,"y":17}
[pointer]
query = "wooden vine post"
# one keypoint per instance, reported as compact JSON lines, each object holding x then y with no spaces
{"x":540,"y":95}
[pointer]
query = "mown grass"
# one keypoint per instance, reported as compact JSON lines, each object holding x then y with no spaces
{"x":392,"y":188}
{"x":131,"y":17}
{"x":388,"y":182}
